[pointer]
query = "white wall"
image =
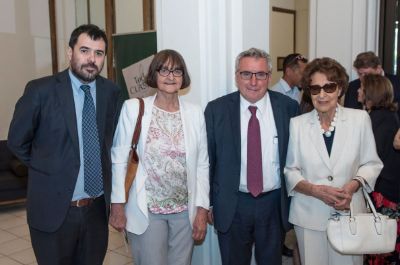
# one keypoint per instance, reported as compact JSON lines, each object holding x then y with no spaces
{"x":343,"y":28}
{"x":210,"y":34}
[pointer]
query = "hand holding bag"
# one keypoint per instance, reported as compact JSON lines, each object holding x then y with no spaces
{"x":133,"y":159}
{"x":363,"y":233}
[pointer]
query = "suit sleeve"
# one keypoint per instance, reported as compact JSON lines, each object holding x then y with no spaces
{"x":370,"y":164}
{"x":24,"y":123}
{"x":211,"y":146}
{"x":292,"y":169}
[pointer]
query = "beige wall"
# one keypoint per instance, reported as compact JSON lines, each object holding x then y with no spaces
{"x":25,"y":46}
{"x":25,"y":41}
{"x":302,"y":25}
{"x":128,"y":16}
{"x":281,"y":31}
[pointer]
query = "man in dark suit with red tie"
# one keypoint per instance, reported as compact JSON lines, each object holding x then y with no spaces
{"x":62,"y":130}
{"x":247,"y":135}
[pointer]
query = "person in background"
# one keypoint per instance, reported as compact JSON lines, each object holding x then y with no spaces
{"x":377,"y":95}
{"x":247,"y":135}
{"x":306,"y":104}
{"x":293,"y":67}
{"x":331,"y":152}
{"x":368,"y":63}
{"x":62,"y":130}
{"x":169,"y":199}
{"x":396,"y":141}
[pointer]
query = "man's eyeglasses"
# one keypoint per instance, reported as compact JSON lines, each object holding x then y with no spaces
{"x":246,"y":75}
{"x":328,"y":88}
{"x":175,"y":72}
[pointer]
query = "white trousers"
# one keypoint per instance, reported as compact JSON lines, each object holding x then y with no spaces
{"x":315,"y":249}
{"x":166,"y":241}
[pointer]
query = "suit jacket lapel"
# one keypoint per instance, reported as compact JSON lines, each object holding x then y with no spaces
{"x":317,"y":139}
{"x":279,"y":123}
{"x":66,"y":100}
{"x":101,"y":107}
{"x":234,"y":113}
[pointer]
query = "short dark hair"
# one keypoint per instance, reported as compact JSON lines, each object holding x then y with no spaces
{"x":162,"y":58}
{"x":93,"y":31}
{"x":292,"y":60}
{"x":333,"y":71}
{"x":366,"y":60}
{"x":379,"y":91}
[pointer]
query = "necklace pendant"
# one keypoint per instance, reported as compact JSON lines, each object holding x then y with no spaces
{"x":328,"y":133}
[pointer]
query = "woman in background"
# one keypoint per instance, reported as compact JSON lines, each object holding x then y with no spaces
{"x":169,"y":199}
{"x":331,"y":150}
{"x":376,"y":93}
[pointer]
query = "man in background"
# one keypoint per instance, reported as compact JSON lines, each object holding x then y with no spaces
{"x":62,"y":130}
{"x":293,"y":67}
{"x":368,"y":63}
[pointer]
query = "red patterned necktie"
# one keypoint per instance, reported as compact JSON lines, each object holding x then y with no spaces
{"x":254,"y":157}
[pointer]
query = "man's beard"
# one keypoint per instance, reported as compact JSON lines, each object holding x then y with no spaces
{"x":80,"y":73}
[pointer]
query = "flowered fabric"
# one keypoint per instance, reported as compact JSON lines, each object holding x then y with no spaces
{"x":392,"y":210}
{"x":165,"y":163}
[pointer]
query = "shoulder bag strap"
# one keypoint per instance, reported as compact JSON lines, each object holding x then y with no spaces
{"x":138,"y":128}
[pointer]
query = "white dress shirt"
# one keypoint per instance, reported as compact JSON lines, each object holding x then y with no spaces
{"x":269,"y":143}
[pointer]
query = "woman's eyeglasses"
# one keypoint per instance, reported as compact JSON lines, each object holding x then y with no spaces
{"x":175,"y":72}
{"x":328,"y":88}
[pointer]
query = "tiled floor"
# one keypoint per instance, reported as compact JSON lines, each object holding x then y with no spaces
{"x":16,"y":249}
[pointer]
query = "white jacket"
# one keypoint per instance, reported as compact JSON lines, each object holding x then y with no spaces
{"x":196,"y":161}
{"x":353,"y":154}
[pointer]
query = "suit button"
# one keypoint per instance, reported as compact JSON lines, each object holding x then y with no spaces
{"x":330,"y":178}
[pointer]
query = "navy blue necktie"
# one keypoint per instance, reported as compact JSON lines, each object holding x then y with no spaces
{"x":91,"y":147}
{"x":254,"y":155}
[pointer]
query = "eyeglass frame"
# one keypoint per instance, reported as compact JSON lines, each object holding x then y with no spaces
{"x":171,"y":71}
{"x":267,"y":74}
{"x":328,"y":88}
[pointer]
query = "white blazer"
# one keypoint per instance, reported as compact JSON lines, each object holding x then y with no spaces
{"x":196,"y":161}
{"x":353,"y":154}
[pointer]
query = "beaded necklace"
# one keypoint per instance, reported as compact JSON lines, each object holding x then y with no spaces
{"x":332,"y":125}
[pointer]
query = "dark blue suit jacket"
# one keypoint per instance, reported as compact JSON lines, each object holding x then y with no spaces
{"x":43,"y":135}
{"x":350,"y":100}
{"x":223,"y":133}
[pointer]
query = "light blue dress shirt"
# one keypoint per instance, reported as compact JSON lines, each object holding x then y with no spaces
{"x":79,"y":98}
{"x":283,"y":87}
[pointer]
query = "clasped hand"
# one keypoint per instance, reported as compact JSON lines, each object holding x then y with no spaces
{"x":338,"y":198}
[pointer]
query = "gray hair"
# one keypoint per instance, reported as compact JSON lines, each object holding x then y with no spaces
{"x":254,"y":53}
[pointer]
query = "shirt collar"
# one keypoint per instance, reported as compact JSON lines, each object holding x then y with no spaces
{"x":285,"y":85}
{"x":76,"y":83}
{"x":261,"y":104}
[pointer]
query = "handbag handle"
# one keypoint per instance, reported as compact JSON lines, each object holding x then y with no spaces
{"x":368,"y":200}
{"x":377,"y":219}
{"x":136,"y":133}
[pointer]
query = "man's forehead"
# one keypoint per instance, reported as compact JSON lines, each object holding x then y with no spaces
{"x":85,"y":40}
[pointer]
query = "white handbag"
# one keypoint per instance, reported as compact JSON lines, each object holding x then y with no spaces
{"x":363,"y":233}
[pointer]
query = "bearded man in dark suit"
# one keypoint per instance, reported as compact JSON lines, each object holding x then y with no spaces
{"x":62,"y":130}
